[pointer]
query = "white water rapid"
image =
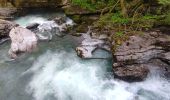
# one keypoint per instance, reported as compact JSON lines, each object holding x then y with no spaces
{"x":54,"y":72}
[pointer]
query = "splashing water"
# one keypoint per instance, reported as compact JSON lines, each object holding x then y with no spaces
{"x":54,"y":72}
{"x":74,"y":79}
{"x":24,"y":21}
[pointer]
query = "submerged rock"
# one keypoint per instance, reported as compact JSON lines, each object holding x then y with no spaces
{"x":23,"y":40}
{"x":45,"y":30}
{"x":4,"y":40}
{"x":139,"y":50}
{"x":5,"y":27}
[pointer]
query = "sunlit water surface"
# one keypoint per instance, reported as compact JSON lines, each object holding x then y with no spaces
{"x":54,"y":72}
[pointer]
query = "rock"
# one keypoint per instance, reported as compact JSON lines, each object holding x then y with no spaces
{"x":89,"y":45}
{"x":4,"y":40}
{"x":46,"y":29}
{"x":85,"y":52}
{"x":58,"y":26}
{"x":131,"y":73}
{"x":65,"y":2}
{"x":63,"y":28}
{"x":8,"y":13}
{"x":76,"y":34}
{"x":60,"y":20}
{"x":167,"y":75}
{"x":23,"y":40}
{"x":5,"y":27}
{"x":43,"y":36}
{"x":139,"y":50}
{"x":32,"y":26}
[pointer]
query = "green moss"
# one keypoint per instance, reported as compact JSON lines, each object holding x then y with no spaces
{"x":76,"y":18}
{"x":86,"y":4}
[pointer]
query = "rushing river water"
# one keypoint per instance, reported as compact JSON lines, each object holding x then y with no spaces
{"x":54,"y":72}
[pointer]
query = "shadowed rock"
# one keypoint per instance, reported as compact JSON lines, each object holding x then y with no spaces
{"x":32,"y":26}
{"x":23,"y":40}
{"x":131,"y":73}
{"x":5,"y":27}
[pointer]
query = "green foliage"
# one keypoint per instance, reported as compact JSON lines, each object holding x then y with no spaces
{"x":117,"y":18}
{"x":164,"y":2}
{"x":167,"y":19}
{"x":93,"y":5}
{"x":119,"y":34}
{"x":86,"y":4}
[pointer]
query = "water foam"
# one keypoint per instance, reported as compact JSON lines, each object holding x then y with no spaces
{"x":67,"y":78}
{"x":24,"y":21}
{"x":63,"y":76}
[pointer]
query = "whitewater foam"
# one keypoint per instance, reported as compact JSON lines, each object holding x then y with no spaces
{"x":24,"y":21}
{"x":63,"y":76}
{"x":67,"y":78}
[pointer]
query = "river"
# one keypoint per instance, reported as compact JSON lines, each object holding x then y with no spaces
{"x":55,"y":72}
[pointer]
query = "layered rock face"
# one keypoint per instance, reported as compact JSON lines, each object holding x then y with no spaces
{"x":5,"y":27}
{"x":135,"y":56}
{"x":8,"y":13}
{"x":23,"y":40}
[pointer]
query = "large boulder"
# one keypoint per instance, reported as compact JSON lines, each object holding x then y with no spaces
{"x":5,"y":27}
{"x":131,"y":73}
{"x":139,"y":50}
{"x":23,"y":40}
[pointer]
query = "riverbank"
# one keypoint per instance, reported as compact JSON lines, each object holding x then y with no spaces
{"x":135,"y":52}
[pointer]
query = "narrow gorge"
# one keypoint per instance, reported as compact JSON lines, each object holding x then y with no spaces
{"x":55,"y":50}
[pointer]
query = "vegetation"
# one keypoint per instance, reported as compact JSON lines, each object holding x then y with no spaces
{"x":127,"y":17}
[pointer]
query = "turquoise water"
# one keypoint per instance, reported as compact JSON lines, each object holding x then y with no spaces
{"x":54,"y":72}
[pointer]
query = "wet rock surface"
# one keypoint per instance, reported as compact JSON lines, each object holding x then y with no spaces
{"x":23,"y":40}
{"x":59,"y":26}
{"x":139,"y":50}
{"x":131,"y":73}
{"x":32,"y":26}
{"x":5,"y":27}
{"x":90,"y":44}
